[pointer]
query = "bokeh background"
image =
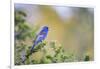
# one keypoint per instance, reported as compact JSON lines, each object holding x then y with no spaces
{"x":70,"y":27}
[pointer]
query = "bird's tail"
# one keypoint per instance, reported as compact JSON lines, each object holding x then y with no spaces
{"x":31,"y":51}
{"x":32,"y":48}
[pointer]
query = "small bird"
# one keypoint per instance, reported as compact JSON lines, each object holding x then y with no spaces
{"x":40,"y":37}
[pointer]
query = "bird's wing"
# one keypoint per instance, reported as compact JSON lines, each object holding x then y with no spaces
{"x":39,"y":38}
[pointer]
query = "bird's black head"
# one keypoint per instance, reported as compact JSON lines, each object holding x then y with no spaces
{"x":45,"y":28}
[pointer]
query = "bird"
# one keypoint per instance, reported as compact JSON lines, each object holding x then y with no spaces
{"x":40,"y":37}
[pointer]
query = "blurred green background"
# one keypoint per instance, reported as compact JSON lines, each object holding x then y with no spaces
{"x":70,"y":28}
